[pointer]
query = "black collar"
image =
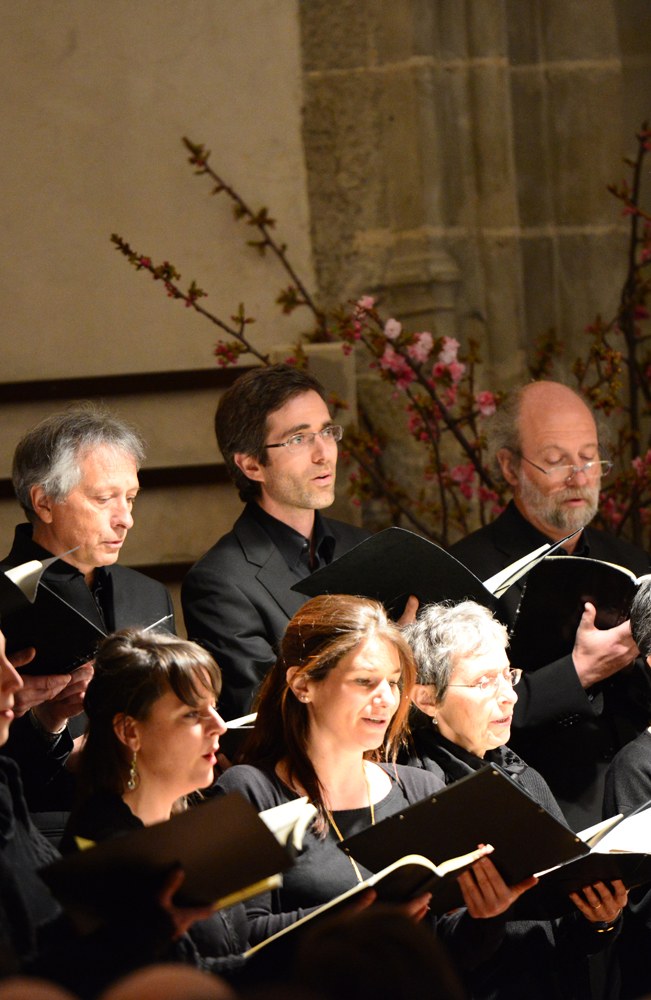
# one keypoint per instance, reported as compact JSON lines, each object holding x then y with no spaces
{"x":457,"y":762}
{"x":520,"y":527}
{"x":295,"y":547}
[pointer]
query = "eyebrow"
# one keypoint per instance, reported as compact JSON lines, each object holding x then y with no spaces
{"x":304,"y":427}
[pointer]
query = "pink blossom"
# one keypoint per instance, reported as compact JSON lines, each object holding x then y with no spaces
{"x":391,"y":361}
{"x":487,"y":496}
{"x":638,"y":466}
{"x":448,"y":352}
{"x":466,"y":489}
{"x":366,"y":302}
{"x":438,"y":370}
{"x":456,"y":370}
{"x":463,"y":473}
{"x":392,"y":329}
{"x":420,"y":351}
{"x":450,"y":396}
{"x":486,"y":403}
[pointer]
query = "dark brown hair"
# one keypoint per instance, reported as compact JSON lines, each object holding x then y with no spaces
{"x":319,"y":635}
{"x":241,"y":418}
{"x":133,"y":669}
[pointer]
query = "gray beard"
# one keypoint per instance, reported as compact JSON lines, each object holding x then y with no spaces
{"x":550,"y":509}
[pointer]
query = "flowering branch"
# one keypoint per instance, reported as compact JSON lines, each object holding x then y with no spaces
{"x":227,"y":353}
{"x":295,"y":294}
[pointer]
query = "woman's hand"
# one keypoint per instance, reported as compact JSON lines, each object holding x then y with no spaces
{"x":416,"y":908}
{"x":600,"y":905}
{"x":485,"y":892}
{"x":181,"y":916}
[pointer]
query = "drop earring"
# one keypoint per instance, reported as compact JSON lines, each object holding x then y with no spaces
{"x":133,"y":774}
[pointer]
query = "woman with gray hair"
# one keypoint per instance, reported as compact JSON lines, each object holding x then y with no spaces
{"x":465,"y":696}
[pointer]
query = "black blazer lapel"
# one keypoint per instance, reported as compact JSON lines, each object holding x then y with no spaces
{"x":273,"y":572}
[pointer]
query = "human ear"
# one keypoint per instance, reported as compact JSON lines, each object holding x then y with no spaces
{"x":250,"y":466}
{"x":299,"y":684}
{"x":424,"y":698}
{"x":126,"y":729}
{"x":41,"y":503}
{"x":506,"y":458}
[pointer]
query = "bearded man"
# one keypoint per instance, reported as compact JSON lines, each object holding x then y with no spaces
{"x":573,"y":715}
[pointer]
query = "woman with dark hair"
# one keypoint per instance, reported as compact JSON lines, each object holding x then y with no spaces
{"x":35,"y":936}
{"x":337,"y":694}
{"x":152,"y":739}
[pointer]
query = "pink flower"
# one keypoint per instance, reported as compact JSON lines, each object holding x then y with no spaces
{"x":365,"y":303}
{"x":486,"y":403}
{"x":456,"y":370}
{"x":448,"y":352}
{"x":637,"y":465}
{"x":463,"y":473}
{"x":392,"y":329}
{"x":438,"y":370}
{"x":420,"y":351}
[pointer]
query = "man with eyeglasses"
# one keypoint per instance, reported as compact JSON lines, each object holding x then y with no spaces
{"x":573,"y":715}
{"x":279,"y":444}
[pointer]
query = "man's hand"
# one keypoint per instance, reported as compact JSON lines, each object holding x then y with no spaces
{"x":599,"y":904}
{"x":67,"y":702}
{"x":600,"y":653}
{"x":35,"y":689}
{"x":408,"y":616}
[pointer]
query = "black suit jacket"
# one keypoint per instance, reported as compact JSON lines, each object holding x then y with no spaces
{"x":567,"y":733}
{"x":133,"y":599}
{"x":237,"y":601}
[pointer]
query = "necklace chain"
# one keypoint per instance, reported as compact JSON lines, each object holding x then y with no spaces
{"x":338,"y":831}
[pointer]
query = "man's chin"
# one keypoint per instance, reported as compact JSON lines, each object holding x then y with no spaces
{"x":571,"y":518}
{"x":324,"y":498}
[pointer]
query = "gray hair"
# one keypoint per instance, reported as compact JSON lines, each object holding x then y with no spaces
{"x":444,"y":634}
{"x":641,"y":618}
{"x":503,"y":428}
{"x":50,"y":455}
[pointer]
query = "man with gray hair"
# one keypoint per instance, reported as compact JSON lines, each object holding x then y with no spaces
{"x":76,"y":477}
{"x":573,"y":715}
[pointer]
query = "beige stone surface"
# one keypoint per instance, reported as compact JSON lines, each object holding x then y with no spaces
{"x":96,"y":98}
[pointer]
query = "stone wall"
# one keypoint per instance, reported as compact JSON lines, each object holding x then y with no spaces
{"x":458,"y":154}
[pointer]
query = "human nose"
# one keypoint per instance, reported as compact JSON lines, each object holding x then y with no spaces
{"x":122,"y":515}
{"x":10,"y":679}
{"x":580,"y":472}
{"x":506,"y":692}
{"x":318,"y":448}
{"x":384,"y":694}
{"x":216,"y":723}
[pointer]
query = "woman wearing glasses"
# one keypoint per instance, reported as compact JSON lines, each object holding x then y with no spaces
{"x":465,"y":694}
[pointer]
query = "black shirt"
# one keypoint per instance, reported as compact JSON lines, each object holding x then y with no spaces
{"x":295,"y":547}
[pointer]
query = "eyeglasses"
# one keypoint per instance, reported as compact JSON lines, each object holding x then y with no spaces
{"x":563,"y":473}
{"x":306,"y":439}
{"x":490,"y":685}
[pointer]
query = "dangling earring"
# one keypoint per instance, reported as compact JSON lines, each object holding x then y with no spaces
{"x":133,"y":774}
{"x":435,"y":722}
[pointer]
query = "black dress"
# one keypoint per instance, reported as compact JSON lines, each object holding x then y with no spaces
{"x":628,"y":785}
{"x":37,"y":938}
{"x":321,"y":871}
{"x":104,"y":815}
{"x":537,"y":960}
